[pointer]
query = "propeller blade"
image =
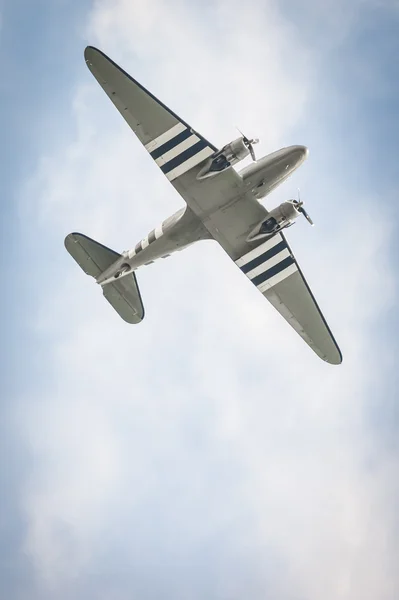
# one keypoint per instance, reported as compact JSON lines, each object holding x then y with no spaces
{"x":244,"y":137}
{"x":305,"y":214}
{"x":249,"y":143}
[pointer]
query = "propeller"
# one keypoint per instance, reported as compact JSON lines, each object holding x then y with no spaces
{"x":249,"y":144}
{"x":299,"y":207}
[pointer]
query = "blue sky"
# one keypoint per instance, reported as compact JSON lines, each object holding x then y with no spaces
{"x":207,"y":452}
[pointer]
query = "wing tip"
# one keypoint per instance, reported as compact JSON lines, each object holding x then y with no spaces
{"x":91,"y":52}
{"x":334,"y":359}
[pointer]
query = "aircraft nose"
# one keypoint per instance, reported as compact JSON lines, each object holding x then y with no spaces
{"x":305,"y":151}
{"x":301,"y":151}
{"x":297,"y":155}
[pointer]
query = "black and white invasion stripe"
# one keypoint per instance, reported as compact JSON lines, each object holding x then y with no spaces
{"x":268,"y":264}
{"x":155,"y":234}
{"x":178,"y":150}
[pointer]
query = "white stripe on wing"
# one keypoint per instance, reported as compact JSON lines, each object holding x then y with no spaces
{"x":275,"y":260}
{"x":193,"y":139}
{"x":276,"y":239}
{"x":269,"y":283}
{"x":190,"y":163}
{"x":165,"y":137}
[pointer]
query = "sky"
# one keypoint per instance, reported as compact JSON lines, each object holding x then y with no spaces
{"x":207,"y":452}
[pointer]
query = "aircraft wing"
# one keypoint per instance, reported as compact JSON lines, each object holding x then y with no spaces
{"x":174,"y":145}
{"x":272,"y":267}
{"x":177,"y":149}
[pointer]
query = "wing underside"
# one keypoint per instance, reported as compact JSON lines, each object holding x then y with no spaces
{"x":173,"y":144}
{"x":273,"y":269}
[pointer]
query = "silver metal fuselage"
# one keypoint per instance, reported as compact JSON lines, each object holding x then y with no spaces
{"x":185,"y":227}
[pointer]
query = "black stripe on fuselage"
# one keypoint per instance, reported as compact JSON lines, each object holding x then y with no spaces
{"x":178,"y":160}
{"x":264,"y":257}
{"x":171,"y":144}
{"x":151,"y":236}
{"x":138,"y":248}
{"x":287,"y":262}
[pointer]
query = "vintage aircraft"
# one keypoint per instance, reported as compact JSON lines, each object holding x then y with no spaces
{"x":221,"y":204}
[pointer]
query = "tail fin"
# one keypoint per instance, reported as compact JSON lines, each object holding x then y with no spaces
{"x":94,"y":258}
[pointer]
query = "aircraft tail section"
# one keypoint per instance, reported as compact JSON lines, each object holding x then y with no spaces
{"x":124,"y":296}
{"x":91,"y":256}
{"x":94,"y":258}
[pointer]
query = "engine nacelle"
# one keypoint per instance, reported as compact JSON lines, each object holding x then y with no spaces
{"x":277,"y":219}
{"x":226,"y":157}
{"x":235,"y":151}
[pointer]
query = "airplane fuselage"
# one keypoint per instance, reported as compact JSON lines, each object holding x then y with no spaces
{"x":184,"y":227}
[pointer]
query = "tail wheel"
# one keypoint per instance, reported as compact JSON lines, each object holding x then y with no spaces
{"x":125,"y":267}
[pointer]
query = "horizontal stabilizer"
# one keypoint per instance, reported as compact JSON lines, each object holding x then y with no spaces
{"x":124,"y":296}
{"x":94,"y":259}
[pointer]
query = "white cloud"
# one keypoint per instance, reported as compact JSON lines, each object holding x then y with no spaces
{"x":210,"y":425}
